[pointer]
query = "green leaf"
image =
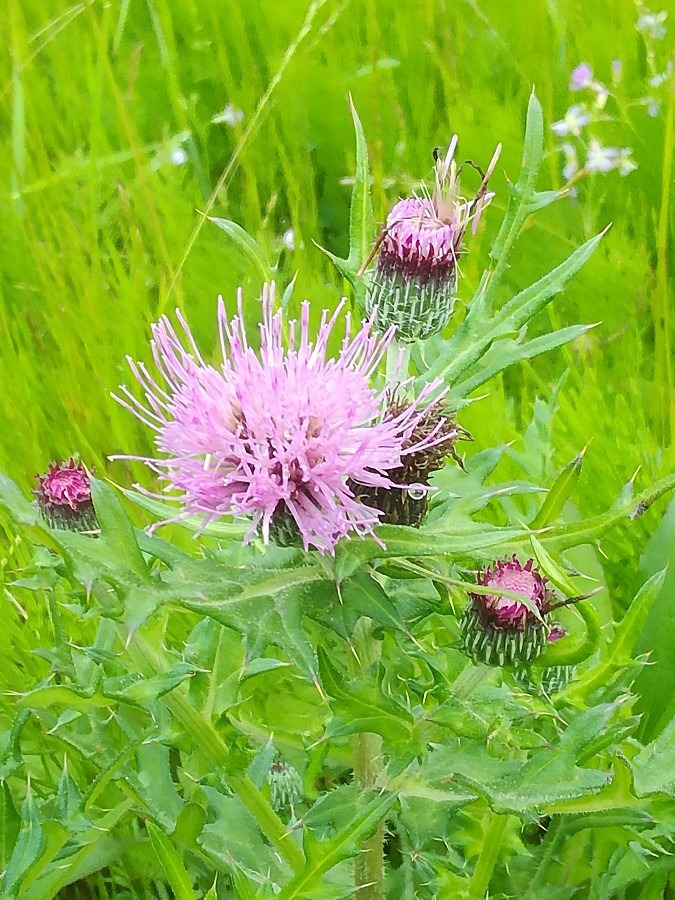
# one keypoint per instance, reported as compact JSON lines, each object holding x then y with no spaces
{"x":482,"y":327}
{"x":28,"y":848}
{"x":153,"y":780}
{"x":117,"y":532}
{"x":250,"y":250}
{"x":549,"y":776}
{"x":506,"y":352}
{"x":619,"y":652}
{"x":655,"y":684}
{"x":559,"y":493}
{"x":363,"y":594}
{"x":10,"y":823}
{"x":361,"y":219}
{"x":260,"y":665}
{"x":15,"y":503}
{"x":523,"y":196}
{"x":143,"y":691}
{"x":361,"y":705}
{"x":551,"y":569}
{"x":654,"y":766}
{"x":219,"y":529}
{"x":261,"y":764}
{"x":171,"y":863}
{"x":325,"y":855}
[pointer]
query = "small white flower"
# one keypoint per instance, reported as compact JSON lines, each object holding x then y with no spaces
{"x":653,"y":108}
{"x":230,"y":115}
{"x":178,"y":156}
{"x":626,"y":162}
{"x":574,"y":120}
{"x":288,"y":239}
{"x":601,"y":159}
{"x":653,"y":24}
{"x":571,"y":166}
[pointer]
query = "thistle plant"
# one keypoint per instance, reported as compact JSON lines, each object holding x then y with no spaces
{"x":318,"y":696}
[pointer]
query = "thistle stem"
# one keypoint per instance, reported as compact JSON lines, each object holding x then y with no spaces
{"x":367,"y":762}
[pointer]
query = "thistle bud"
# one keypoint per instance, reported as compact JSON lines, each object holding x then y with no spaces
{"x":414,"y":283}
{"x":499,"y":630}
{"x":285,"y":786}
{"x":431,"y":441}
{"x":64,"y":499}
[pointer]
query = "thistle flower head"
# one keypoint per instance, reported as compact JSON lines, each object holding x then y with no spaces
{"x":64,"y":499}
{"x":502,"y":629}
{"x":408,"y":504}
{"x":415,"y":279}
{"x":279,"y":435}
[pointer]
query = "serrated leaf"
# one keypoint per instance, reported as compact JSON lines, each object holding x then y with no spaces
{"x":153,"y":780}
{"x":323,"y":856}
{"x":549,"y":776}
{"x":364,"y":595}
{"x":28,"y":849}
{"x":362,"y":706}
{"x":261,"y":764}
{"x":10,"y":824}
{"x":117,"y":532}
{"x":143,"y":691}
{"x":551,"y":569}
{"x":654,"y":766}
{"x":480,"y":330}
{"x":260,"y":665}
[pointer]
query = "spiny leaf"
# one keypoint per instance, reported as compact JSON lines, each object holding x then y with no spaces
{"x":28,"y":848}
{"x":322,"y":856}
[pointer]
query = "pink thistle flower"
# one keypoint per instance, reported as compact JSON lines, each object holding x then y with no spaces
{"x":415,"y":280}
{"x":64,"y":499}
{"x":504,"y":630}
{"x":278,"y":435}
{"x":509,"y":575}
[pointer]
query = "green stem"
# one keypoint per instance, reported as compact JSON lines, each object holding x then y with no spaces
{"x":492,"y":844}
{"x":367,"y":749}
{"x":146,"y":661}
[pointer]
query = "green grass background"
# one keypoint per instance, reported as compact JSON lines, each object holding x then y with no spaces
{"x":100,"y":233}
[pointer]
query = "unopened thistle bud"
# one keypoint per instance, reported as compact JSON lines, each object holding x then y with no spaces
{"x":415,"y":280}
{"x":64,"y":499}
{"x":436,"y":434}
{"x":500,"y":630}
{"x":285,"y":786}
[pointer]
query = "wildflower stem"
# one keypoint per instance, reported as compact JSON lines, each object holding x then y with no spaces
{"x":367,"y":749}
